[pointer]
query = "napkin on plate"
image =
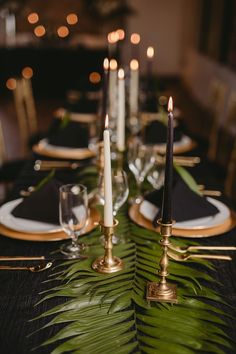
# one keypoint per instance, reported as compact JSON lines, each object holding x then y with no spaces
{"x":156,"y":132}
{"x":72,"y":135}
{"x":42,"y":205}
{"x":186,"y":204}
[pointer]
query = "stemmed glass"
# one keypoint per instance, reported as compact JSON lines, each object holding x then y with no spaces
{"x":120,"y":192}
{"x":141,"y":159}
{"x":120,"y":189}
{"x":73,"y":212}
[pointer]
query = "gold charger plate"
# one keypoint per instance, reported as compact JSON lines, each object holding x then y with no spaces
{"x":94,"y":218}
{"x":139,"y":219}
{"x":77,"y":117}
{"x":62,"y":153}
{"x":177,"y":149}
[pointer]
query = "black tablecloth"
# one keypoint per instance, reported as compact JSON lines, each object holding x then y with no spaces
{"x":19,"y":290}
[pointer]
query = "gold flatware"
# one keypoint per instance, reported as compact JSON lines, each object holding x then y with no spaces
{"x":27,"y":192}
{"x":22,"y":258}
{"x":44,"y":165}
{"x":211,"y":193}
{"x":185,"y":161}
{"x":33,"y":269}
{"x":185,"y":257}
{"x":193,"y":248}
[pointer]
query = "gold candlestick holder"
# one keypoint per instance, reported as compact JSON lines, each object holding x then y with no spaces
{"x":108,"y":263}
{"x":163,"y":291}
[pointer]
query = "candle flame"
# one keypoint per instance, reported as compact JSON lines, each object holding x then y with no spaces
{"x":121,"y":34}
{"x":121,"y":74}
{"x":113,"y":37}
{"x":134,"y":65}
{"x":106,"y":64}
{"x":113,"y":64}
{"x":170,"y":105}
{"x":106,"y":121}
{"x":150,"y":52}
{"x":135,"y":38}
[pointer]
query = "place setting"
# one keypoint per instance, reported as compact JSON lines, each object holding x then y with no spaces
{"x":36,"y":217}
{"x":196,"y":213}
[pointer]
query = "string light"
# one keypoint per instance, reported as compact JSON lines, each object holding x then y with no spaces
{"x":33,"y":18}
{"x":72,"y":19}
{"x":11,"y":84}
{"x":135,"y":38}
{"x":39,"y":31}
{"x":63,"y":31}
{"x":27,"y":72}
{"x":94,"y":77}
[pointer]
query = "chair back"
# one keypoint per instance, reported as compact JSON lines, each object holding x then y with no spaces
{"x":2,"y":146}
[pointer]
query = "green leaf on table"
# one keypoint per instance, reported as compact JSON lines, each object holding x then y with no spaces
{"x":188,"y":178}
{"x":104,"y":312}
{"x":45,"y":180}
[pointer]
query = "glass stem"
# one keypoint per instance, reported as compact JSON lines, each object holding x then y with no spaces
{"x":74,"y":240}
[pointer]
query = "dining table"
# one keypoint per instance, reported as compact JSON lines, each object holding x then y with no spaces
{"x":21,"y":291}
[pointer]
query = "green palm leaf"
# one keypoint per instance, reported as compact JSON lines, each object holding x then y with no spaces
{"x":103,"y":312}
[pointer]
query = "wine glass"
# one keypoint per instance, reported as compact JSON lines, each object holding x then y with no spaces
{"x":120,"y":189}
{"x":141,"y":159}
{"x":156,"y":176}
{"x":73,"y":212}
{"x":120,"y":192}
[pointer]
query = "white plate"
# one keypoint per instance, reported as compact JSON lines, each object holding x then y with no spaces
{"x":149,"y":211}
{"x":23,"y":225}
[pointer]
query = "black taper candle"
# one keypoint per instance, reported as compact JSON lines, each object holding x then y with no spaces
{"x":167,"y":192}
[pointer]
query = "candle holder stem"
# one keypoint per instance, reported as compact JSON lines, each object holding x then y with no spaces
{"x":162,"y":291}
{"x":108,"y":263}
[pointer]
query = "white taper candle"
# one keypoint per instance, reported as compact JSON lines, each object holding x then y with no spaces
{"x":108,"y":207}
{"x":121,"y":111}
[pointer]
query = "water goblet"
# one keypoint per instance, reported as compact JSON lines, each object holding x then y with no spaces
{"x":120,"y":192}
{"x":73,"y":212}
{"x":141,"y":159}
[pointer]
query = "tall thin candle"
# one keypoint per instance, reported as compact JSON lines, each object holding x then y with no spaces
{"x":167,"y":193}
{"x":121,"y":111}
{"x":134,"y":87}
{"x":150,"y":55}
{"x":108,"y":207}
{"x":105,"y":86}
{"x":113,"y":89}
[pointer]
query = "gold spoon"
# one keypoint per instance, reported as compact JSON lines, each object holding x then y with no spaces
{"x":33,"y":269}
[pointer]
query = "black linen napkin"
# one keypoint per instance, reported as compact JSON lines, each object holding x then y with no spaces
{"x":42,"y":205}
{"x":156,"y":131}
{"x":73,"y":135}
{"x":186,"y":204}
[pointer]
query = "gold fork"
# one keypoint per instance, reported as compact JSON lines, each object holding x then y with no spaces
{"x":193,"y":248}
{"x":185,"y":257}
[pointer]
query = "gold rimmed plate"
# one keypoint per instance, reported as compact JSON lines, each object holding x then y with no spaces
{"x":226,"y":226}
{"x":94,"y":218}
{"x":45,"y":149}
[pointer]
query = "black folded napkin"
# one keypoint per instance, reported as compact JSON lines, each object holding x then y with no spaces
{"x":73,"y":134}
{"x":186,"y":204}
{"x":41,"y":205}
{"x":83,"y":106}
{"x":156,"y":131}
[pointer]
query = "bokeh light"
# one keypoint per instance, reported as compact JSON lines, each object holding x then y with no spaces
{"x":94,"y":77}
{"x":27,"y":72}
{"x":135,"y":38}
{"x":63,"y":31}
{"x":33,"y":18}
{"x":134,"y":65}
{"x":121,"y":34}
{"x":39,"y":31}
{"x":11,"y":84}
{"x":72,"y":19}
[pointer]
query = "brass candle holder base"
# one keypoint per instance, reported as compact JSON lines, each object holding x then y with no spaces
{"x":108,"y":263}
{"x":162,"y":291}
